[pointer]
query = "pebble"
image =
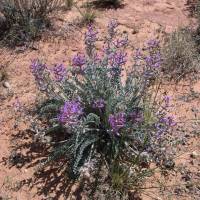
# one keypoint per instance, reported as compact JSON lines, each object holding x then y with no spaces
{"x":178,"y":191}
{"x":194,"y":154}
{"x":186,"y":177}
{"x":134,"y":31}
{"x":6,"y":84}
{"x":169,"y":164}
{"x":2,"y":22}
{"x":1,"y":76}
{"x":47,"y":139}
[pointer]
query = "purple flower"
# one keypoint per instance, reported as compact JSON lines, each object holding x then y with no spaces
{"x":167,"y":101}
{"x":90,"y":39}
{"x":117,"y":121}
{"x":153,"y":43}
{"x":168,"y":121}
{"x":79,"y":60}
{"x":100,"y":103}
{"x":164,"y":124}
{"x":118,"y":58}
{"x":157,"y":60}
{"x":39,"y":69}
{"x":90,"y":36}
{"x":113,"y":24}
{"x":121,"y":43}
{"x":107,"y":50}
{"x":137,"y":116}
{"x":148,"y":74}
{"x":70,"y":113}
{"x":153,"y":61}
{"x":160,"y":131}
{"x":59,"y":72}
{"x":138,"y":54}
{"x":17,"y":105}
{"x":97,"y":58}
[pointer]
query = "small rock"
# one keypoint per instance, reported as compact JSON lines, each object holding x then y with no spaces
{"x":196,"y":88}
{"x":47,"y":139}
{"x":186,"y":177}
{"x":177,"y":191}
{"x":192,"y":162}
{"x":74,"y":49}
{"x":187,"y":135}
{"x":169,"y":164}
{"x":194,"y":154}
{"x":189,"y":186}
{"x":183,"y":142}
{"x":168,"y":29}
{"x":134,"y":31}
{"x":19,"y":50}
{"x":6,"y":84}
{"x":134,"y":195}
{"x":2,"y":22}
{"x":1,"y":76}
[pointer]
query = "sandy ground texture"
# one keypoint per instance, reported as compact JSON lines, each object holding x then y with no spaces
{"x":142,"y":20}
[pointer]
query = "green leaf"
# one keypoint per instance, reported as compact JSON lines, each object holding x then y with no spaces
{"x":92,"y":118}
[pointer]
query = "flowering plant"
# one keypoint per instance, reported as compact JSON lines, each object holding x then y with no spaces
{"x":108,"y":113}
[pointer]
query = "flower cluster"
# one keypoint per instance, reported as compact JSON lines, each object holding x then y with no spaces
{"x":165,"y":121}
{"x":168,"y":121}
{"x":59,"y":72}
{"x":17,"y":105}
{"x":137,"y":115}
{"x":113,"y":24}
{"x":117,"y":121}
{"x":167,"y":100}
{"x":163,"y":125}
{"x":90,"y":39}
{"x":153,"y":61}
{"x":99,"y":103}
{"x":79,"y":61}
{"x":39,"y":70}
{"x":90,"y":36}
{"x":138,"y":54}
{"x":121,"y":42}
{"x":153,"y":43}
{"x":70,"y":113}
{"x":118,"y":59}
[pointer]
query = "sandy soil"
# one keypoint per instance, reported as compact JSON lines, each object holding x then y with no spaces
{"x":141,"y":19}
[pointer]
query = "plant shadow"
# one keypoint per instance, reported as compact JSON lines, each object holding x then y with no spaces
{"x":191,"y":6}
{"x":52,"y":181}
{"x":105,"y":5}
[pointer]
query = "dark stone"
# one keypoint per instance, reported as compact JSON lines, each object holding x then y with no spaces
{"x":186,"y":177}
{"x":169,"y":164}
{"x":2,"y":23}
{"x":177,"y":191}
